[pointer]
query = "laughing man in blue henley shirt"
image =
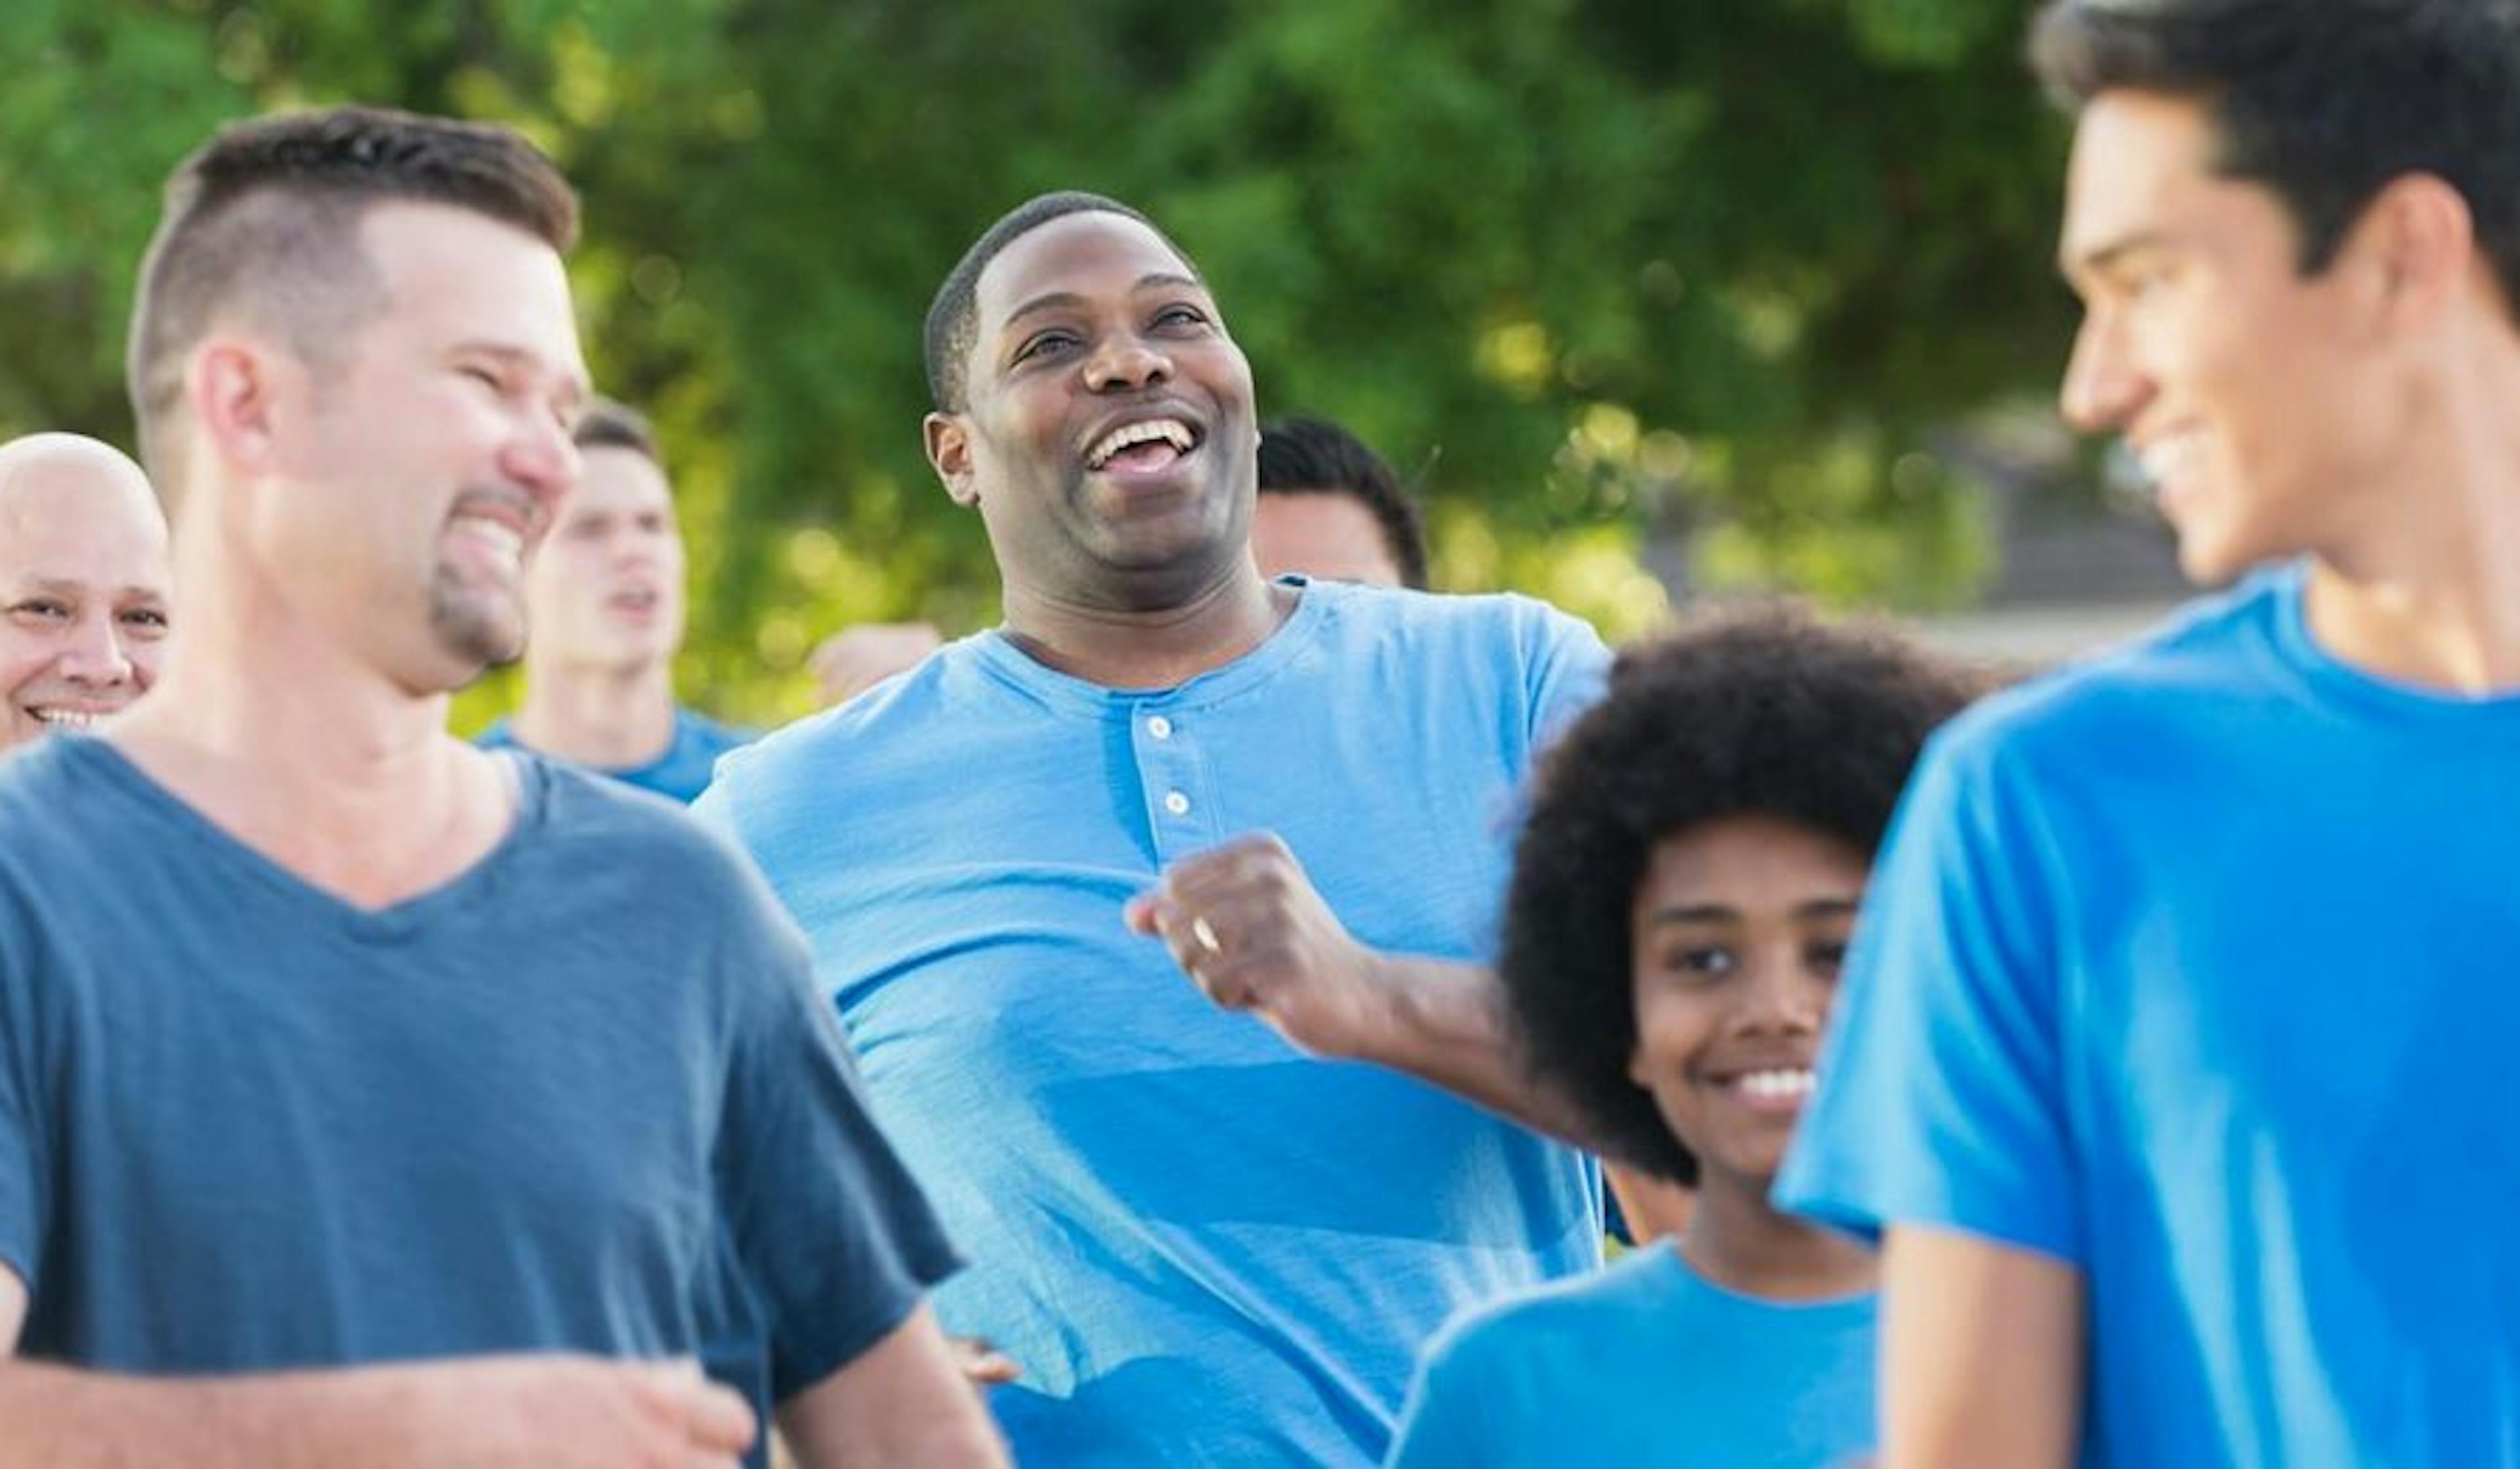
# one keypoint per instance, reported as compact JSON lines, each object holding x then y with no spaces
{"x":1207,"y":1230}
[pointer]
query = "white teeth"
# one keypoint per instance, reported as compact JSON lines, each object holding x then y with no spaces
{"x":2161,"y":460}
{"x":1776,"y":1086}
{"x":499,"y":536}
{"x":65,"y":719}
{"x":1170,"y":430}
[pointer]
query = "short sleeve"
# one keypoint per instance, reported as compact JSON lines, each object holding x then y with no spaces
{"x":1571,"y":669}
{"x":838,"y":1243}
{"x":22,"y":1140}
{"x":1443,"y":1423}
{"x":1942,"y":1094}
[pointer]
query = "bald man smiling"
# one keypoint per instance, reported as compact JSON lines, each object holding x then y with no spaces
{"x":82,"y":583}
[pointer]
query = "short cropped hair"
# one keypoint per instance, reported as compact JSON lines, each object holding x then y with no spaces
{"x":954,"y":316}
{"x":1315,"y":457}
{"x":2324,"y":104}
{"x":263,"y":220}
{"x":606,"y":425}
{"x":1762,"y":711}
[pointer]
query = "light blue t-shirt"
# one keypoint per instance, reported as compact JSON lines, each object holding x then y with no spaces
{"x":680,"y":774}
{"x":584,"y":1095}
{"x":1201,"y":1246}
{"x":1647,"y":1363}
{"x":2198,"y":968}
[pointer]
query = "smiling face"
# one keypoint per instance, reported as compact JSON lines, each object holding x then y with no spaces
{"x":2253,"y":394}
{"x":1739,"y":929}
{"x":82,"y":585}
{"x":605,"y":590}
{"x":415,"y":480}
{"x":1108,"y":439}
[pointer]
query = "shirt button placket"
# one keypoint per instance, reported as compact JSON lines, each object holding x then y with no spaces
{"x":1167,"y":767}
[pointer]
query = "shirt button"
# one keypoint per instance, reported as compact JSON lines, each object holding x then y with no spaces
{"x":1175,"y":803}
{"x":1160,"y":727}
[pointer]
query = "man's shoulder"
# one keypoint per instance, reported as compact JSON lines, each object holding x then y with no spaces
{"x":582,"y":809}
{"x":2194,"y":670}
{"x":1508,"y":615}
{"x":55,"y":793}
{"x":937,"y":686}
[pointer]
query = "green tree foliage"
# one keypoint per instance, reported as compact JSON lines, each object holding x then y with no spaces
{"x":1593,"y":269}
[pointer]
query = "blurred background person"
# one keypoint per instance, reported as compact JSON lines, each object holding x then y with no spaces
{"x":1331,"y":507}
{"x":604,"y":609}
{"x":1682,"y":898}
{"x":83,"y":571}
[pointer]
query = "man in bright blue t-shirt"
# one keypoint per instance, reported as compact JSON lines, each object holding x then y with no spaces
{"x":1206,"y":1237}
{"x":603,"y":596}
{"x":2170,"y":1062}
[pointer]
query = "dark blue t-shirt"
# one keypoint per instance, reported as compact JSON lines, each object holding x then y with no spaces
{"x":582,"y":1096}
{"x":682,"y":772}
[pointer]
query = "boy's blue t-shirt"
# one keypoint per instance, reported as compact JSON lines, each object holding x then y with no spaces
{"x":584,"y":1095}
{"x":1647,"y":1363}
{"x":1203,"y":1246}
{"x":680,"y":774}
{"x":2197,"y":968}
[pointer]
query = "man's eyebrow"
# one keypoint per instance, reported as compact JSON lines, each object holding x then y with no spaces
{"x":1056,"y":300}
{"x":2100,"y":258}
{"x":1060,"y":300}
{"x":573,"y":384}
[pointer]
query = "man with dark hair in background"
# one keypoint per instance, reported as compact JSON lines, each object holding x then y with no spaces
{"x":2172,"y":1057}
{"x":1331,"y":507}
{"x":336,"y":1041}
{"x":1206,"y":1237}
{"x":604,"y":599}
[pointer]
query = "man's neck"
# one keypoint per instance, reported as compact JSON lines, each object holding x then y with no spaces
{"x":1153,"y":646}
{"x":320,"y":763}
{"x":610,"y":719}
{"x":2429,"y":593}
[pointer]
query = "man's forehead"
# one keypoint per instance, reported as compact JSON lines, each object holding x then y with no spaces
{"x":472,"y":277}
{"x":1073,"y":252}
{"x":619,"y":477}
{"x":2135,"y":155}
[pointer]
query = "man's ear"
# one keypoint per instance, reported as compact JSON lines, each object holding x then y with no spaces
{"x":949,"y":450}
{"x":233,"y":386}
{"x":2418,"y":239}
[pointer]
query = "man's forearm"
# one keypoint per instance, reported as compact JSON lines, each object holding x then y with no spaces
{"x":65,"y":1418}
{"x":1447,"y":1023}
{"x":484,"y":1412}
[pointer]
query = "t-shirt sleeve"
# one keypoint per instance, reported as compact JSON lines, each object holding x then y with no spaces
{"x":1444,"y":1422}
{"x":836,"y":1239}
{"x":21,"y":1137}
{"x":1571,"y":669}
{"x":1942,"y":1096}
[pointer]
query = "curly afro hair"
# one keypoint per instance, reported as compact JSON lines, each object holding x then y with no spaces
{"x":1762,"y":710}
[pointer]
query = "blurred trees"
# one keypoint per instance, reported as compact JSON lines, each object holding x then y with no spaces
{"x":1588,"y":269}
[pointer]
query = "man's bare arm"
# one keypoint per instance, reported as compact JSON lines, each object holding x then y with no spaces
{"x":904,"y":1401}
{"x":491,"y":1411}
{"x":1245,"y":922}
{"x":1981,"y":1355}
